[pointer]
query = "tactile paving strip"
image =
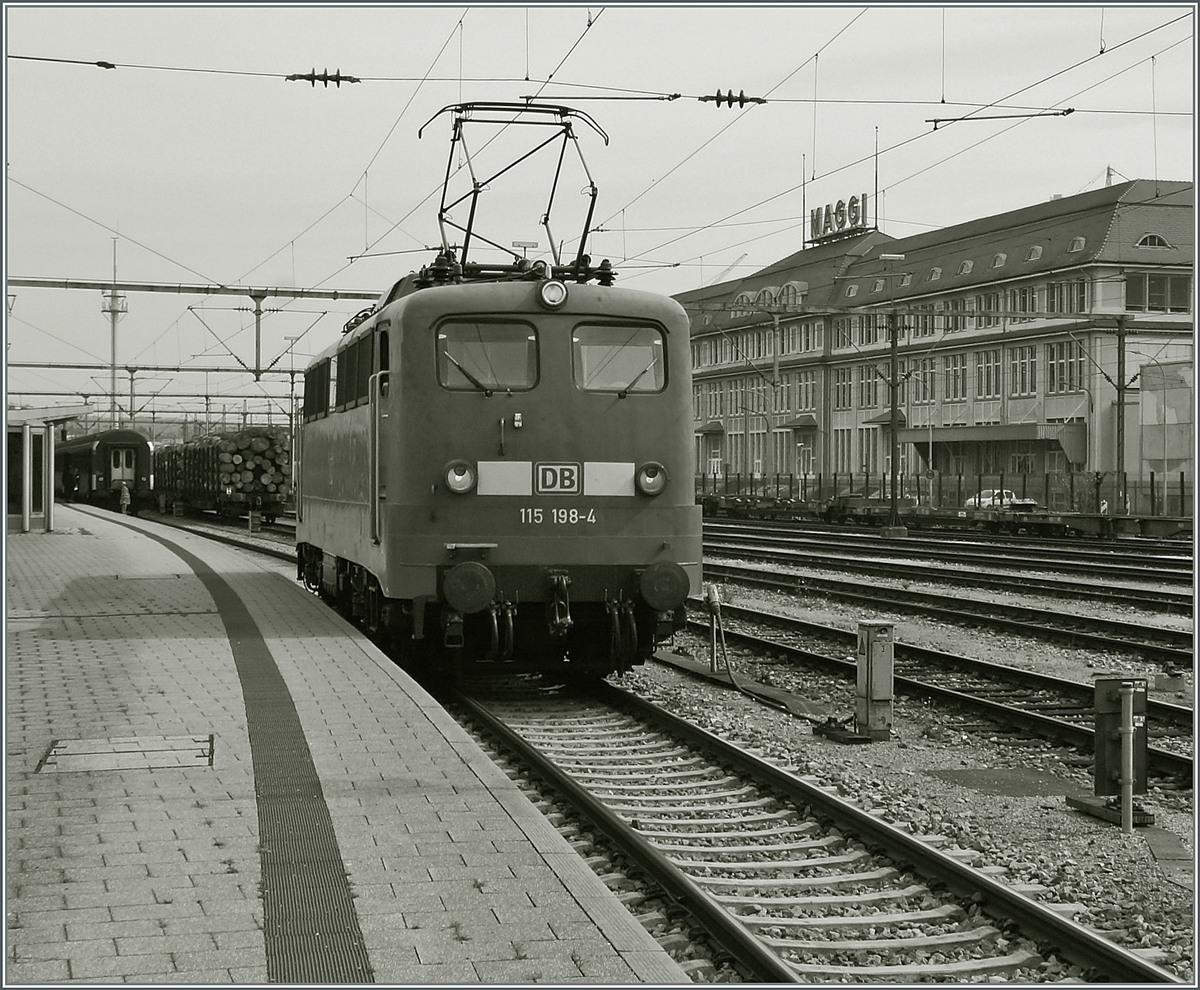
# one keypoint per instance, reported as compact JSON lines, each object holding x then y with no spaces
{"x":310,"y":927}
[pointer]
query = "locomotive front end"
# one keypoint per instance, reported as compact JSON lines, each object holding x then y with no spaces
{"x":558,"y":448}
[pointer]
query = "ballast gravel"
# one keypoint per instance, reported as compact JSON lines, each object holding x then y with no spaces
{"x":932,"y":776}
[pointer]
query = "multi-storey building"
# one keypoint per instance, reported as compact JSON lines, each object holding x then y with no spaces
{"x":1020,"y":342}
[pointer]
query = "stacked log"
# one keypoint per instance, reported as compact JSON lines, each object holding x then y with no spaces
{"x":254,"y":462}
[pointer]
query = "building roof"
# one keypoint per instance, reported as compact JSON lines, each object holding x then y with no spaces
{"x":1102,"y":226}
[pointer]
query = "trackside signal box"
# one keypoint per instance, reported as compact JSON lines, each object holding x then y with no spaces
{"x":873,"y":696}
{"x":1108,"y":737}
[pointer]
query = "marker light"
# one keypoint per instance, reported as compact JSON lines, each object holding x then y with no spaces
{"x":651,"y":478}
{"x":552,"y":294}
{"x":460,"y":477}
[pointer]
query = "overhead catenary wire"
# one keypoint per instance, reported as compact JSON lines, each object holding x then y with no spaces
{"x":924,"y":134}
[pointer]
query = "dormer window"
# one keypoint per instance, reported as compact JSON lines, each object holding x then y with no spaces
{"x":878,"y":285}
{"x":1076,"y":244}
{"x":1033,"y":253}
{"x":742,"y":305}
{"x":965,"y":268}
{"x":999,"y":260}
{"x":852,"y":289}
{"x":907,"y":280}
{"x":1153,"y":241}
{"x":934,"y":275}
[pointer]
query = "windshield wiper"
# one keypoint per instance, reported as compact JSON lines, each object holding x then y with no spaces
{"x":468,"y":376}
{"x":625,"y":391}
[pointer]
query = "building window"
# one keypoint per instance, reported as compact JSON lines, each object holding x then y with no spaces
{"x":842,"y":333}
{"x":878,"y":285}
{"x":842,"y":451}
{"x":1067,"y":297}
{"x":955,"y":322}
{"x":987,"y":310}
{"x":1077,"y":244}
{"x":870,"y":328}
{"x":954,"y":374}
{"x":1064,"y":367}
{"x":868,"y":386}
{"x":843,"y":389}
{"x":852,"y":290}
{"x":1023,"y":300}
{"x":934,"y":275}
{"x":924,"y":381}
{"x":1153,"y":241}
{"x":742,"y":305}
{"x":807,"y":381}
{"x":1033,"y":253}
{"x":764,"y":298}
{"x":1020,"y":460}
{"x":1158,"y":293}
{"x":1022,"y":370}
{"x":987,"y":374}
{"x":907,"y":279}
{"x":965,"y":268}
{"x":737,"y":397}
{"x":868,"y":444}
{"x":999,"y":260}
{"x":923,"y":321}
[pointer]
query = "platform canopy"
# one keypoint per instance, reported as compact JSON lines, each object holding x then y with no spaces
{"x":46,"y":414}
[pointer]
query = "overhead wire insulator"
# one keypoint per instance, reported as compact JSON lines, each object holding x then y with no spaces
{"x":323,"y":77}
{"x":729,"y":99}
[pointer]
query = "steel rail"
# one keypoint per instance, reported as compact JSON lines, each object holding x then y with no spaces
{"x":1161,"y":760}
{"x":1069,"y":937}
{"x":901,"y":565}
{"x":1151,"y":566}
{"x":878,"y":597}
{"x":734,"y":937}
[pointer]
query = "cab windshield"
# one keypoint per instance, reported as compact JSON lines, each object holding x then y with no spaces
{"x":620,"y":359}
{"x":474,"y":355}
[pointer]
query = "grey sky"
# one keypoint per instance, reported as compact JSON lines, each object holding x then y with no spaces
{"x":229,"y":174}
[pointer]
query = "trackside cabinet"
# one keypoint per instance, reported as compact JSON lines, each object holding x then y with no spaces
{"x":1108,"y":737}
{"x":873,"y":697}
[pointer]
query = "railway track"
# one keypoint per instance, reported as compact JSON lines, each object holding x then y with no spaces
{"x":1124,"y":559}
{"x":794,"y":882}
{"x":1169,"y":646}
{"x":1009,"y":698}
{"x":901,"y":566}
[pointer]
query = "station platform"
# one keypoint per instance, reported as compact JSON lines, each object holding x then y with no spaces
{"x":213,"y":778}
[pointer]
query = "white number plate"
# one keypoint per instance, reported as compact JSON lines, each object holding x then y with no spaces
{"x":558,"y":517}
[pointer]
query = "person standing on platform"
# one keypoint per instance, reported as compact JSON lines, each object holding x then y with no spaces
{"x":125,"y":498}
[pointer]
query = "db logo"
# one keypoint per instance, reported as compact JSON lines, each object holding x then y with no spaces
{"x":557,"y":479}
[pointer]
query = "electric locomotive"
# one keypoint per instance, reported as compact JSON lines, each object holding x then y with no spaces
{"x":495,"y":462}
{"x":501,"y":471}
{"x":94,"y":468}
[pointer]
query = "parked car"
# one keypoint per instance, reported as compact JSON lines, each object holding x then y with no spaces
{"x":1000,"y":498}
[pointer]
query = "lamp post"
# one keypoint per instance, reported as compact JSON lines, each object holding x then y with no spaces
{"x":894,"y":528}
